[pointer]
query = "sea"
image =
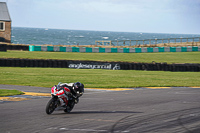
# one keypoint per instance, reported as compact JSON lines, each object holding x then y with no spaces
{"x":43,"y":36}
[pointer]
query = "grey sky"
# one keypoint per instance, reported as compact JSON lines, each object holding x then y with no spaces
{"x":152,"y":16}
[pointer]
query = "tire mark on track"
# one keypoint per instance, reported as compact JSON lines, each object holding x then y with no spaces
{"x":178,"y":121}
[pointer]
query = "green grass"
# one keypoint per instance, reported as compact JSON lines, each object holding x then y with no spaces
{"x":96,"y":78}
{"x":169,"y":57}
{"x":4,"y":92}
{"x":47,"y":77}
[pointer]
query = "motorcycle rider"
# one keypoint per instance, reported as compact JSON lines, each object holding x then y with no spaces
{"x":76,"y":89}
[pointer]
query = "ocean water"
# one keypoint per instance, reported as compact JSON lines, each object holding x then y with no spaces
{"x":41,"y":36}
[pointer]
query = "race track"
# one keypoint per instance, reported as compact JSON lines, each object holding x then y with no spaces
{"x":139,"y":110}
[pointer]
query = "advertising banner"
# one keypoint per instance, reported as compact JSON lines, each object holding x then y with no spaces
{"x":94,"y":65}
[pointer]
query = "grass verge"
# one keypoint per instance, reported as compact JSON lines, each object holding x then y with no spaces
{"x":169,"y":57}
{"x":97,"y":78}
{"x":4,"y":92}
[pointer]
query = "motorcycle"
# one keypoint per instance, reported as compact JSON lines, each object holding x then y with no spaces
{"x":62,"y":98}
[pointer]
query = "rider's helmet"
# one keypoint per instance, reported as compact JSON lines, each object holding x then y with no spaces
{"x":78,"y":87}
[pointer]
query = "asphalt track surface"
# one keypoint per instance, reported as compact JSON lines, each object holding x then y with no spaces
{"x":139,"y":110}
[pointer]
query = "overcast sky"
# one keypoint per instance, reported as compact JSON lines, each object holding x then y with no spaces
{"x":151,"y":16}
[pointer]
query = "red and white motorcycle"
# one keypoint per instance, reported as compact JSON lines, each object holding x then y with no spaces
{"x":62,"y":98}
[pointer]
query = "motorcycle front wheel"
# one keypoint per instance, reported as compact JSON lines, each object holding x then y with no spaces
{"x":51,"y":105}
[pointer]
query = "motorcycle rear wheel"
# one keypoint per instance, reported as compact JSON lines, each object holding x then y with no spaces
{"x":51,"y":106}
{"x":69,"y":108}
